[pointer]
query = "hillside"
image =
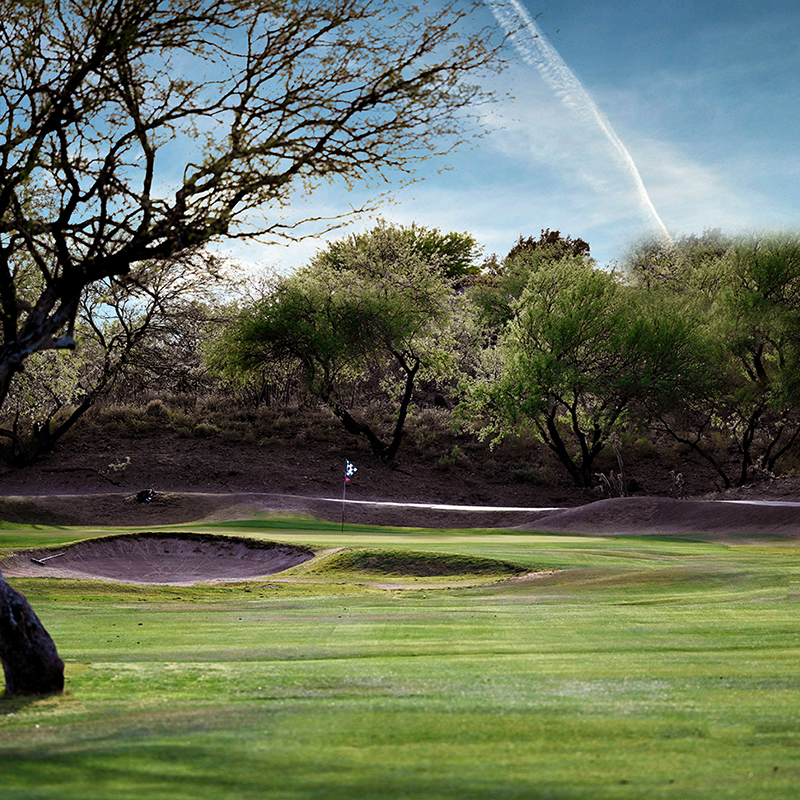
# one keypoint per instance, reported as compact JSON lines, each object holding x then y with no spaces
{"x":95,"y":475}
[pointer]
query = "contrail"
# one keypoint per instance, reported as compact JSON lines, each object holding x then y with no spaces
{"x":538,"y":52}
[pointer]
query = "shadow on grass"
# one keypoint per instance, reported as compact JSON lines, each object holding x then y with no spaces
{"x":13,"y":704}
{"x":185,"y":771}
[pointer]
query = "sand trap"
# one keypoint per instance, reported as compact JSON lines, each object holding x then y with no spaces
{"x":661,"y":515}
{"x":159,"y":558}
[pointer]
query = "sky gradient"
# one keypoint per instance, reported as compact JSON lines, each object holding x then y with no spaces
{"x":704,"y":97}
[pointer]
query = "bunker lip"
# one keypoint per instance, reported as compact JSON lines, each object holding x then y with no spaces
{"x":176,"y":559}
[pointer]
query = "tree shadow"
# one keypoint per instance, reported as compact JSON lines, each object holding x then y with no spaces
{"x":12,"y":704}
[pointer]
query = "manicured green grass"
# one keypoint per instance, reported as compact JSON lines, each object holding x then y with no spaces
{"x":637,"y":668}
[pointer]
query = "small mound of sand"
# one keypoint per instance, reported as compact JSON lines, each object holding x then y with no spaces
{"x":661,"y":515}
{"x":159,"y":558}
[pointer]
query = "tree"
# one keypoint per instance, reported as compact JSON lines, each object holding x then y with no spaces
{"x":743,"y":296}
{"x":123,"y":326}
{"x":580,"y":353}
{"x":660,"y":264}
{"x":754,"y":308}
{"x":372,"y":307}
{"x":554,"y":243}
{"x":454,"y":253}
{"x":141,"y":129}
{"x":495,"y":291}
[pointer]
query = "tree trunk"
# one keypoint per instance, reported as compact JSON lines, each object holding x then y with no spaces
{"x":411,"y":373}
{"x":30,"y":662}
{"x":553,"y":439}
{"x":746,"y":448}
{"x":358,"y":428}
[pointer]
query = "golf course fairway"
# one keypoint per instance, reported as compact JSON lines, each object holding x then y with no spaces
{"x":604,"y":667}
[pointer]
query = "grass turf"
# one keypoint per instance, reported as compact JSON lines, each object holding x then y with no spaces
{"x":638,"y":668}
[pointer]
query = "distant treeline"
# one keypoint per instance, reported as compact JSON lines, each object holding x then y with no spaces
{"x":697,"y":341}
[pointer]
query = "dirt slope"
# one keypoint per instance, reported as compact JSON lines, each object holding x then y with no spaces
{"x":96,"y":481}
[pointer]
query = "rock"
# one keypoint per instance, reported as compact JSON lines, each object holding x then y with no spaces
{"x":31,"y":663}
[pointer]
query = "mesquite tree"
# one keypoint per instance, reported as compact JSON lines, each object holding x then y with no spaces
{"x":372,"y":308}
{"x":581,"y":353}
{"x":741,"y":295}
{"x":136,"y":130}
{"x":122,"y":324}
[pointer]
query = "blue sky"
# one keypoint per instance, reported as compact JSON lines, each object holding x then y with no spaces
{"x":704,"y":96}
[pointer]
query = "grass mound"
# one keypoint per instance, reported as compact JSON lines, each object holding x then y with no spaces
{"x":415,"y":563}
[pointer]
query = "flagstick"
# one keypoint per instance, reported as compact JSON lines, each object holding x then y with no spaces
{"x":344,"y":494}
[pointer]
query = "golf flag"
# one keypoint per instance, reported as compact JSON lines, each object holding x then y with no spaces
{"x":349,"y":471}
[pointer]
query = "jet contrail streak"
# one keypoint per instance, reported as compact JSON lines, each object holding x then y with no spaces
{"x":538,"y":52}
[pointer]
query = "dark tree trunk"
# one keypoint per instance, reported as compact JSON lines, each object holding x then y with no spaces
{"x":397,"y":436}
{"x":579,"y":474}
{"x":380,"y":449}
{"x":359,"y":429}
{"x":746,"y":447}
{"x":30,"y":661}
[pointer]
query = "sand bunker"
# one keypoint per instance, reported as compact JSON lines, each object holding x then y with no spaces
{"x":159,"y":558}
{"x":661,"y":515}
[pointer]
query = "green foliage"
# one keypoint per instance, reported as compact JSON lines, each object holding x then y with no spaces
{"x":580,"y":352}
{"x":451,"y":459}
{"x":454,"y":254}
{"x":696,"y":340}
{"x":374,"y":308}
{"x":757,"y":313}
{"x":553,"y":243}
{"x":659,"y":264}
{"x":496,"y":291}
{"x":743,"y":298}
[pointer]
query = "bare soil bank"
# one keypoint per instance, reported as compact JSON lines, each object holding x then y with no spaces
{"x":96,"y":482}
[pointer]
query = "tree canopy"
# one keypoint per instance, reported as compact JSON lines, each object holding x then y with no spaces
{"x":141,"y":129}
{"x":502,"y":283}
{"x":579,"y":353}
{"x":372,"y":307}
{"x":742,"y":295}
{"x":454,"y":254}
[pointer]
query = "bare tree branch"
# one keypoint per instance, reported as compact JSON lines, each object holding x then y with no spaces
{"x":140,"y":129}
